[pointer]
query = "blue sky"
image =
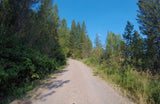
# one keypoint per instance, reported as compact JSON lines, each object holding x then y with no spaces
{"x":101,"y":16}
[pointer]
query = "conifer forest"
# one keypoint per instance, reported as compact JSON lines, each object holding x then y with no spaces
{"x":35,"y":42}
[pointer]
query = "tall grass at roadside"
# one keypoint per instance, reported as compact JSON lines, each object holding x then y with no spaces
{"x":141,"y":87}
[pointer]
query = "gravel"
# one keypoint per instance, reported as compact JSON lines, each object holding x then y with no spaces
{"x":75,"y":84}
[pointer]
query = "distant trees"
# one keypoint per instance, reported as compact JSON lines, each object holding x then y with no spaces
{"x":98,"y":51}
{"x":36,"y":42}
{"x":72,"y":38}
{"x":80,"y":44}
{"x":133,"y":50}
{"x":63,"y":33}
{"x":88,"y":47}
{"x":113,"y":49}
{"x":97,"y":41}
{"x":75,"y":42}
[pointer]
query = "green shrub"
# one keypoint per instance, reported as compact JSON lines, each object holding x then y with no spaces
{"x":139,"y":86}
{"x":19,"y":66}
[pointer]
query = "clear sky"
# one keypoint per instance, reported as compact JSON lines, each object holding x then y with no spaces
{"x":100,"y":16}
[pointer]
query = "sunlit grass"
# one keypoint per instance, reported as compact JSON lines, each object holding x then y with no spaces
{"x":140,"y":87}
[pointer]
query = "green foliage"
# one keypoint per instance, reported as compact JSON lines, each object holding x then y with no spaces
{"x":80,"y":45}
{"x":72,"y":38}
{"x":122,"y":64}
{"x":113,"y":48}
{"x":97,"y":41}
{"x":98,"y":51}
{"x":20,"y":66}
{"x":137,"y":50}
{"x":63,"y":33}
{"x":133,"y":49}
{"x":128,"y":36}
{"x":29,"y":45}
{"x":34,"y":43}
{"x":138,"y":86}
{"x":148,"y":18}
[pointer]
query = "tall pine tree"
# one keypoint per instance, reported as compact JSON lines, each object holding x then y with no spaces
{"x":149,"y":20}
{"x":63,"y":33}
{"x":128,"y":35}
{"x":72,"y":38}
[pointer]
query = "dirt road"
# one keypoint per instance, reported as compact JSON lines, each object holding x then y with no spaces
{"x":74,"y":85}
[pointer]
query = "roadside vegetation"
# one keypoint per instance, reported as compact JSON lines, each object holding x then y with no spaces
{"x":29,"y":49}
{"x":140,"y":87}
{"x":132,"y":62}
{"x":35,"y":42}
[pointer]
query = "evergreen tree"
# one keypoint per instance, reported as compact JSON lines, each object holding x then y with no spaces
{"x":78,"y":43}
{"x":97,"y":41}
{"x":98,"y":50}
{"x":88,"y":47}
{"x":137,"y":50}
{"x":149,"y":20}
{"x":64,"y":36}
{"x":79,"y":30}
{"x":128,"y":35}
{"x":13,"y":13}
{"x":29,"y":44}
{"x":72,"y":38}
{"x":48,"y":25}
{"x":83,"y":40}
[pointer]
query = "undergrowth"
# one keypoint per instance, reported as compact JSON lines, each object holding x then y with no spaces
{"x":141,"y":87}
{"x":20,"y":69}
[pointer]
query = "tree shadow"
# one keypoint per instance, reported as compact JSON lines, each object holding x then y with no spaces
{"x":48,"y":85}
{"x":41,"y":97}
{"x":28,"y":102}
{"x":61,"y":72}
{"x":56,"y":84}
{"x":56,"y":74}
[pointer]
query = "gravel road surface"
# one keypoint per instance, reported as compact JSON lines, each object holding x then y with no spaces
{"x":75,"y":84}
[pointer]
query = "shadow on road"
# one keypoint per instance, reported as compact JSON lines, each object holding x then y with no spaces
{"x":56,"y":84}
{"x":45,"y":89}
{"x":49,"y":88}
{"x":61,"y":72}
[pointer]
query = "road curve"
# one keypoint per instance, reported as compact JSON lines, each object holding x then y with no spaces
{"x":75,"y":84}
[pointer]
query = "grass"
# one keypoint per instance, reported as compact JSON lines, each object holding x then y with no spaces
{"x":140,"y":87}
